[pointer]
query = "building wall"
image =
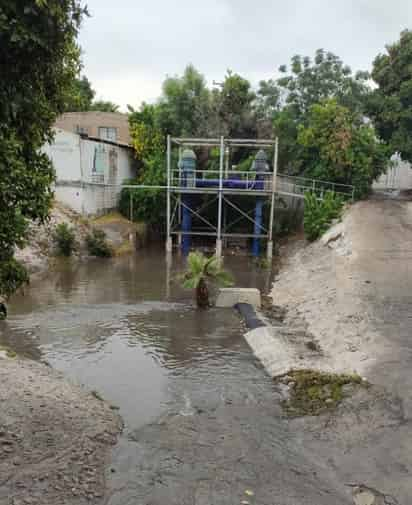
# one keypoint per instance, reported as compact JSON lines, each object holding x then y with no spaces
{"x":398,"y":177}
{"x":89,"y":123}
{"x":65,"y":155}
{"x":71,"y":196}
{"x":88,"y":172}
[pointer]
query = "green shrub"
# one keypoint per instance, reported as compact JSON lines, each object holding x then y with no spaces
{"x":13,"y":275}
{"x":319,"y":214}
{"x":64,"y":239}
{"x":97,"y":244}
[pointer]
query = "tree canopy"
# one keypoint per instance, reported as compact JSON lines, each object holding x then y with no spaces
{"x":39,"y":59}
{"x":390,"y":104}
{"x":81,"y":98}
{"x":306,"y":82}
{"x":339,"y":147}
{"x":81,"y":95}
{"x":184,"y":107}
{"x":104,"y":106}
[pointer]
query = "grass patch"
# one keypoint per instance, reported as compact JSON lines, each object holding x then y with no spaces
{"x":9,"y":352}
{"x":313,"y":392}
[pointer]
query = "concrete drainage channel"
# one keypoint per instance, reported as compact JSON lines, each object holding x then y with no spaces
{"x":279,"y":347}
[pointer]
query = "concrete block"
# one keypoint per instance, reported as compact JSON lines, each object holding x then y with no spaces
{"x":228,"y":297}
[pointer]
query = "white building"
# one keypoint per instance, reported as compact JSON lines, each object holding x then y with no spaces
{"x":89,"y":171}
{"x":398,"y":177}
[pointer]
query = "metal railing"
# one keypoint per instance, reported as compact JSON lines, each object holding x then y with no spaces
{"x":298,"y":186}
{"x":259,"y":181}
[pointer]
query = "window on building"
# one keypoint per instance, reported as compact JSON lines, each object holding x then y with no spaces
{"x":80,"y":130}
{"x":108,"y":133}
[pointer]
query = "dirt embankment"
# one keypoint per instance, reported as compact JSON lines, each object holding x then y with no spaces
{"x":345,"y":302}
{"x":351,"y":291}
{"x":122,"y":235}
{"x":54,"y":438}
{"x":40,"y":248}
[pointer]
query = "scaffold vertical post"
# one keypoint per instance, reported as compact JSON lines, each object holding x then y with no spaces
{"x":179,"y":205}
{"x":272,"y":203}
{"x":220,"y":200}
{"x":169,"y":243}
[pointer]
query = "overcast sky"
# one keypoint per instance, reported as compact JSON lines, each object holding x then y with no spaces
{"x":131,"y":45}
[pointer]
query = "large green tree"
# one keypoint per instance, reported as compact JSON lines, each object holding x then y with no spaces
{"x":148,"y":141}
{"x":39,"y":60}
{"x":309,"y":81}
{"x":338,"y":146}
{"x":390,"y":104}
{"x":81,"y":95}
{"x":184,"y":106}
{"x":234,"y":104}
{"x":306,"y":82}
{"x":81,"y":98}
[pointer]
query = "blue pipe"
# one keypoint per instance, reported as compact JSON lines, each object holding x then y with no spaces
{"x":258,"y":227}
{"x":230,"y":183}
{"x":186,"y":224}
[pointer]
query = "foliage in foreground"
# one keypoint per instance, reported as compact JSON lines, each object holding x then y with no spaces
{"x":201,"y":272}
{"x":64,"y":239}
{"x":12,"y":276}
{"x":97,"y":245}
{"x":39,"y":60}
{"x":319,"y":214}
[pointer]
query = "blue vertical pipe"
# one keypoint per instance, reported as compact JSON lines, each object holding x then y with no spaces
{"x":188,"y":168}
{"x":186,"y":224}
{"x":258,"y":227}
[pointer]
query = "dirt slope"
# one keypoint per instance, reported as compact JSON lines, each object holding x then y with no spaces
{"x":54,"y":438}
{"x":352,"y":293}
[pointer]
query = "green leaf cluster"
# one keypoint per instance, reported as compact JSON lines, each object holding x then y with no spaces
{"x":305,"y":83}
{"x":200,"y":269}
{"x":64,"y":239}
{"x":13,"y":275}
{"x":39,"y":60}
{"x":97,"y":245}
{"x":339,"y":147}
{"x":319,"y":214}
{"x":390,"y":103}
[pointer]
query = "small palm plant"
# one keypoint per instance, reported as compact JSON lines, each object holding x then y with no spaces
{"x":201,"y":272}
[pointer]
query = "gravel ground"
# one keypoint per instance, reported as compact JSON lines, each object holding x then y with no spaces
{"x":55,"y":439}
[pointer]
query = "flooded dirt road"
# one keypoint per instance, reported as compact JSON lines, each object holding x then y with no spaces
{"x":203,"y":423}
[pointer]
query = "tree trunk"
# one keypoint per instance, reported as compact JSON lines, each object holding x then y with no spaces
{"x":202,"y":295}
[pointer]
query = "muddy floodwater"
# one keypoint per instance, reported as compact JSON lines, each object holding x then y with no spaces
{"x":203,"y":423}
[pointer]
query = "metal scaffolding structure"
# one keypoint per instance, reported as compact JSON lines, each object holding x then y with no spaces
{"x":222,"y":184}
{"x":224,"y":187}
